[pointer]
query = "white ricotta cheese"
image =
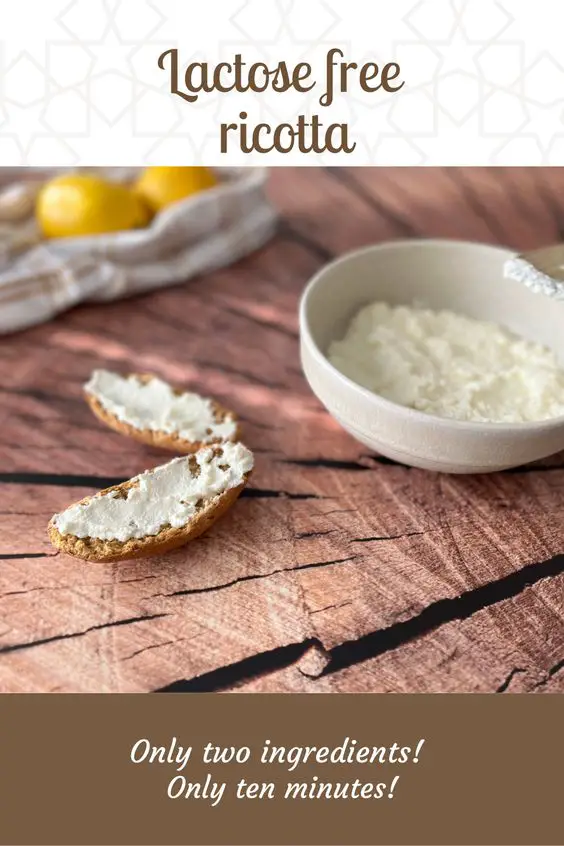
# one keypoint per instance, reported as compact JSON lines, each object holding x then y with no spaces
{"x":165,"y":496}
{"x":449,"y":365}
{"x":154,"y":406}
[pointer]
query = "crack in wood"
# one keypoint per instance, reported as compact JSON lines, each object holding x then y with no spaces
{"x":136,"y":579}
{"x":388,"y":462}
{"x":16,"y":647}
{"x":552,"y":672}
{"x":100,"y":482}
{"x":389,"y":537}
{"x":265,"y":493}
{"x":441,"y":612}
{"x":10,"y":556}
{"x":320,"y":534}
{"x":148,"y":648}
{"x":65,"y":480}
{"x":29,"y":590}
{"x":383,"y":640}
{"x":253,"y":577}
{"x":330,"y":607}
{"x":71,"y":480}
{"x":233,"y":674}
{"x":516,"y":671}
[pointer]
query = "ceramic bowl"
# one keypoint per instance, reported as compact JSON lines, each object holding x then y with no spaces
{"x":463,"y":277}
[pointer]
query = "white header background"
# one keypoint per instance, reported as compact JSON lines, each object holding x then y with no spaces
{"x":79,"y":81}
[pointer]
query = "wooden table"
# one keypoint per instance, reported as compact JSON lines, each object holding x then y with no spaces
{"x":338,"y":570}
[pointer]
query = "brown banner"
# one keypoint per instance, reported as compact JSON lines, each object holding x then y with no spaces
{"x":212,"y":769}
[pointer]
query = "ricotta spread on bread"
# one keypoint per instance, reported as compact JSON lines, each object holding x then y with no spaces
{"x":150,"y":404}
{"x":167,"y":496}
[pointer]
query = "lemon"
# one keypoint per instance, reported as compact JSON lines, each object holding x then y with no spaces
{"x":161,"y":186}
{"x":83,"y":204}
{"x":143,"y":213}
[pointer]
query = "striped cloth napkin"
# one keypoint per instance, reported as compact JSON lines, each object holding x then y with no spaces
{"x":39,"y":279}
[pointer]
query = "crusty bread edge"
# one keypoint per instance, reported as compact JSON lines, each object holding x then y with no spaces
{"x":163,"y":440}
{"x":93,"y":549}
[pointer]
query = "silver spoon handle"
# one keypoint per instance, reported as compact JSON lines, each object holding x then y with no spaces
{"x":547,"y":279}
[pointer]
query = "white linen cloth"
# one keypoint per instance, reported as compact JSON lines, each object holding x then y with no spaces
{"x":41,"y":278}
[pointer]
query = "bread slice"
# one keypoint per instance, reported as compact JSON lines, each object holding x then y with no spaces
{"x":149,"y":410}
{"x":155,"y":512}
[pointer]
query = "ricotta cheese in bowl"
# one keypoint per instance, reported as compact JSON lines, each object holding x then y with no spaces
{"x":427,"y":354}
{"x":450,"y":365}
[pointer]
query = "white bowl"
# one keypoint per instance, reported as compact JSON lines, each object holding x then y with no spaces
{"x":463,"y":277}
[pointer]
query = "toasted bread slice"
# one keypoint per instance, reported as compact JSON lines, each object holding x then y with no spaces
{"x":157,"y":511}
{"x":147,"y":409}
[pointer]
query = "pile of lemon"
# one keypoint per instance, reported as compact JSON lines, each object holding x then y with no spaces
{"x":77,"y":204}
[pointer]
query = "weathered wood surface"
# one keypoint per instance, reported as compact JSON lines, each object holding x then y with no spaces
{"x":338,"y":571}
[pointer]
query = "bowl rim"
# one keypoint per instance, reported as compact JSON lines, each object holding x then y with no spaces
{"x":470,"y":426}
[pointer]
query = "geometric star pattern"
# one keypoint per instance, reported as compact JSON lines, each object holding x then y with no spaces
{"x":80,"y":84}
